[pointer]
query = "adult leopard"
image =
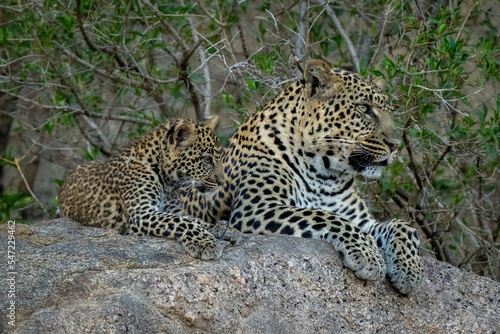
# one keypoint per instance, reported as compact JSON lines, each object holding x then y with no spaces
{"x":290,"y":169}
{"x":134,"y":191}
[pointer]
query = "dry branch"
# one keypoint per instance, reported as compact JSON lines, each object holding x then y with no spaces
{"x":16,"y":163}
{"x":342,"y":32}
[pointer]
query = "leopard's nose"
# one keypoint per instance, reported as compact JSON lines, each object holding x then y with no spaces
{"x":393,"y":145}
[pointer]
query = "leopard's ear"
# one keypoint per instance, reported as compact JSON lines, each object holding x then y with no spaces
{"x":380,"y":82}
{"x":211,"y":122}
{"x":319,"y":78}
{"x":182,"y":134}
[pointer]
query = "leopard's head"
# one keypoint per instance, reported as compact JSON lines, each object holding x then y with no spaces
{"x":193,"y":150}
{"x":348,"y":121}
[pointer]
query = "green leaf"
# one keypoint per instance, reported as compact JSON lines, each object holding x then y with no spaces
{"x":441,"y":28}
{"x":92,"y":155}
{"x":252,"y":84}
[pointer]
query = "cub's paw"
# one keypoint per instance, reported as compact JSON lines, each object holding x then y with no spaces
{"x":223,"y":231}
{"x":359,"y":253}
{"x":202,"y":244}
{"x":404,"y":269}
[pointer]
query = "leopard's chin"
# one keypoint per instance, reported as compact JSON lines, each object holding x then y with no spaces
{"x":365,"y":165}
{"x":372,"y":172}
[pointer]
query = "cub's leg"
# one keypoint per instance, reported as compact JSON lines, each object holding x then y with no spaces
{"x":199,"y":242}
{"x":144,"y":207}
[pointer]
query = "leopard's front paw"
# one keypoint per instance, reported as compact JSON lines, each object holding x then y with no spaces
{"x":361,"y":255}
{"x":404,"y":269}
{"x":202,"y":244}
{"x":223,"y":231}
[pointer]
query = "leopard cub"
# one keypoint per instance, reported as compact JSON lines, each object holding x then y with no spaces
{"x":134,"y":190}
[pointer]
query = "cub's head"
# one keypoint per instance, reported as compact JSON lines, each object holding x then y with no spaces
{"x":193,"y":150}
{"x":348,"y":121}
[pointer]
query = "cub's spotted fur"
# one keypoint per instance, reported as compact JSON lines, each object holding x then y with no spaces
{"x":132,"y":191}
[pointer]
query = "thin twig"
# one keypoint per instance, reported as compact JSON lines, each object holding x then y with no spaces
{"x":210,"y":15}
{"x":147,"y":84}
{"x":287,"y":9}
{"x":438,"y":161}
{"x":381,"y":35}
{"x":76,"y":111}
{"x":184,"y":76}
{"x":340,"y":29}
{"x":18,"y":166}
{"x":106,"y":145}
{"x":167,"y":25}
{"x":471,"y":8}
{"x":90,"y":44}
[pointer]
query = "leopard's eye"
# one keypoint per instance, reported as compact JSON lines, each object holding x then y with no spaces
{"x":208,"y":159}
{"x":365,"y":109}
{"x":362,"y":108}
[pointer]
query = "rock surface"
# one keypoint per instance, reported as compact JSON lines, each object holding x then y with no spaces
{"x":75,"y":279}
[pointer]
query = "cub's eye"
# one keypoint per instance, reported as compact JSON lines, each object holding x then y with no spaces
{"x":208,"y":159}
{"x":365,"y":109}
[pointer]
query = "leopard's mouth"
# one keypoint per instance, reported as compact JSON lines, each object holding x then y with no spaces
{"x":361,"y":160}
{"x":383,"y":162}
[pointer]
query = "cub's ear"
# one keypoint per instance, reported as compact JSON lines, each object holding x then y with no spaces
{"x":181,"y":135}
{"x":211,"y":122}
{"x":319,"y":78}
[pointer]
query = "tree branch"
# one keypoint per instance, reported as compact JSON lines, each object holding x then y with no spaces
{"x":246,"y":54}
{"x":411,"y":164}
{"x":341,"y":31}
{"x":91,"y":45}
{"x":184,"y":76}
{"x":438,"y":161}
{"x":147,"y":84}
{"x":301,"y":42}
{"x":167,"y":25}
{"x":75,"y":111}
{"x":16,"y":163}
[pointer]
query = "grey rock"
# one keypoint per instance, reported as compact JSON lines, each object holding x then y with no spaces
{"x":75,"y":279}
